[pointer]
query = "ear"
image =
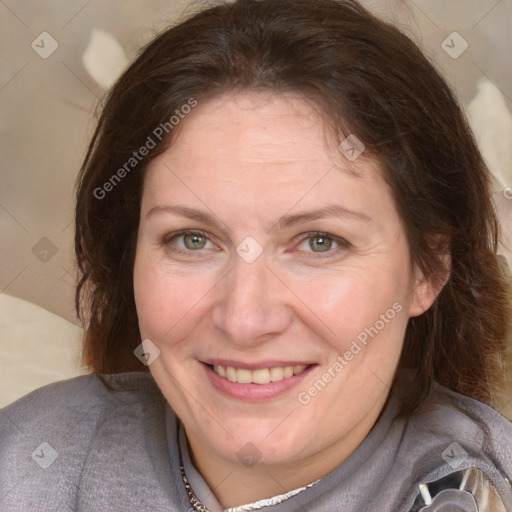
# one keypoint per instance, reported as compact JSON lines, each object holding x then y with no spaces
{"x":426,"y":290}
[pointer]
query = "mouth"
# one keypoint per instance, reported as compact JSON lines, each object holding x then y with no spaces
{"x":256,"y":382}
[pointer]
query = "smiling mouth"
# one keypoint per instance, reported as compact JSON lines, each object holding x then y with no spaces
{"x":259,"y":376}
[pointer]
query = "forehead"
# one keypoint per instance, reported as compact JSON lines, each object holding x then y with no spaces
{"x":260,"y":128}
{"x":251,"y":145}
{"x":247,"y":124}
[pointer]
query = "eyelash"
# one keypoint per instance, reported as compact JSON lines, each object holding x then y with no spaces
{"x":342,"y":243}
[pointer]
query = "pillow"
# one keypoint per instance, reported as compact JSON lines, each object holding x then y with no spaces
{"x":38,"y":347}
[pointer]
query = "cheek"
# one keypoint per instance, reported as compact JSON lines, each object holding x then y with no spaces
{"x":165,"y":300}
{"x":351,"y":305}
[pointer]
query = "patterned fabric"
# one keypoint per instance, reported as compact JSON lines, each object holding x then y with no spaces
{"x":462,"y":491}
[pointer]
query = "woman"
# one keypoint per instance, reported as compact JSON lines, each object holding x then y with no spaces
{"x":284,"y":218}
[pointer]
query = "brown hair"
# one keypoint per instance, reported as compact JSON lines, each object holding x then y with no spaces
{"x":368,"y":79}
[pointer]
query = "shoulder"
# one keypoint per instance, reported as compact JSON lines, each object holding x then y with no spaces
{"x":50,"y":437}
{"x":450,"y":416}
{"x":75,"y":399}
{"x":85,"y":385}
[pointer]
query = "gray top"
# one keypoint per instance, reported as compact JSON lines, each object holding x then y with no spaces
{"x":74,"y":445}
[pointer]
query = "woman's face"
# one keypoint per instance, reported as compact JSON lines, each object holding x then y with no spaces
{"x":267,"y":258}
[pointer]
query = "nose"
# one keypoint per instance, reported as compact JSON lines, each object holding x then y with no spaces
{"x":252,"y":307}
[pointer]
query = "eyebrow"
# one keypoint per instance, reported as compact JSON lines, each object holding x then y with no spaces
{"x":334,"y":210}
{"x":286,"y":221}
{"x":185,"y":211}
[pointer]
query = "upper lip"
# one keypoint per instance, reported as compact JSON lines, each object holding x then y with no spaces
{"x":255,"y":365}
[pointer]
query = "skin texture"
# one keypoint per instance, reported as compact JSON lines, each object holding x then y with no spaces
{"x":248,"y":159}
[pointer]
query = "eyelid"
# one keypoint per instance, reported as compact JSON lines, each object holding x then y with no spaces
{"x":182,"y":232}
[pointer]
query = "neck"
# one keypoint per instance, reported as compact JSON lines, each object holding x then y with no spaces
{"x":235,"y":484}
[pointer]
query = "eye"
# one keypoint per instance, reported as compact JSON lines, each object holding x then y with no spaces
{"x":188,"y":241}
{"x":322,"y":243}
{"x":194,"y":241}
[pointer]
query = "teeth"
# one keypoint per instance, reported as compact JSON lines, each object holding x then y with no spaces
{"x":231,"y":374}
{"x":260,"y":376}
{"x":244,"y":376}
{"x":276,"y":374}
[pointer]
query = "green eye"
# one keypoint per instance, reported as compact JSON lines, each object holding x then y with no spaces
{"x":194,"y":241}
{"x":320,"y":243}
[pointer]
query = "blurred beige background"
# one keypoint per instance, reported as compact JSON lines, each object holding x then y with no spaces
{"x":47,"y":105}
{"x":56,"y":60}
{"x":46,"y":118}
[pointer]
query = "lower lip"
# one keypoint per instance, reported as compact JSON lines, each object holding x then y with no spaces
{"x":255,"y":392}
